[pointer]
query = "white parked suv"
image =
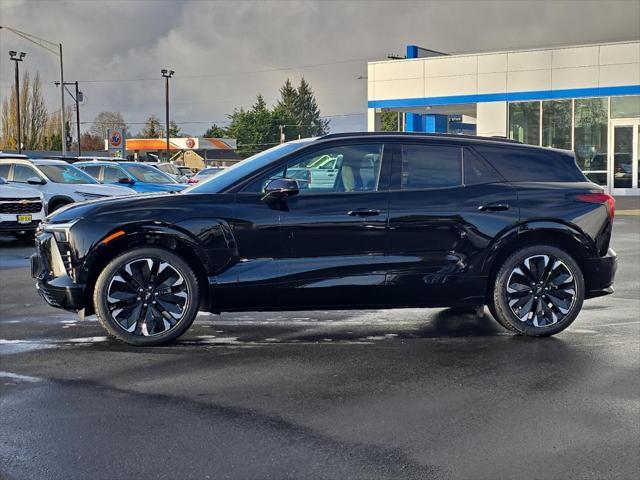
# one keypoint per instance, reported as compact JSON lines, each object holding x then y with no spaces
{"x":21,"y":209}
{"x":60,"y":182}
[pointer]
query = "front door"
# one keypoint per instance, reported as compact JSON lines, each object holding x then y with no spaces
{"x":624,"y":175}
{"x":334,"y":230}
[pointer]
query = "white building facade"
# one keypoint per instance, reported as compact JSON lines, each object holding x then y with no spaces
{"x":583,"y":98}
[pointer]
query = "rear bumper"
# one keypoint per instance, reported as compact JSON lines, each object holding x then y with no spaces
{"x":599,"y":274}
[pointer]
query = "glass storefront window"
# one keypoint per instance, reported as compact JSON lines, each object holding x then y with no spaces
{"x":625,"y":107}
{"x":524,"y":122}
{"x":556,"y":124}
{"x":590,"y":137}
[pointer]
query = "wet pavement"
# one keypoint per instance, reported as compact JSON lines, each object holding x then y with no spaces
{"x":396,"y":394}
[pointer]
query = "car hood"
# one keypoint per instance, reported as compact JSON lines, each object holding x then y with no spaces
{"x":18,"y":191}
{"x":116,"y":205}
{"x":108,"y":190}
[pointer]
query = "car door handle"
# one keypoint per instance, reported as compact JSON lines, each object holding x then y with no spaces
{"x":364,"y":212}
{"x":494,"y":207}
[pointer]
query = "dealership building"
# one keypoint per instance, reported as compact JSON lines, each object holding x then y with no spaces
{"x":584,"y":98}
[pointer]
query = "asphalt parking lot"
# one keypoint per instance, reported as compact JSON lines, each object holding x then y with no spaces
{"x":337,"y":395}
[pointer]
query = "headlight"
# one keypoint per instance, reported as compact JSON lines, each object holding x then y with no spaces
{"x":60,"y":230}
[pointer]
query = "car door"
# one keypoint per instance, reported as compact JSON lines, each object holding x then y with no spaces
{"x":446,"y":206}
{"x":334,"y":230}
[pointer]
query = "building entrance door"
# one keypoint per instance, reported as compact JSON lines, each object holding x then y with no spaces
{"x":624,"y":176}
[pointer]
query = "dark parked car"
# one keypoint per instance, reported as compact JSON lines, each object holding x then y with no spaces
{"x":409,"y":221}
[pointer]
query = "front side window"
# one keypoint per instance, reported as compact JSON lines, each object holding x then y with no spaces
{"x":336,"y":169}
{"x":113,"y":174}
{"x":22,"y":173}
{"x":524,"y":122}
{"x":430,"y":166}
{"x":66,"y":174}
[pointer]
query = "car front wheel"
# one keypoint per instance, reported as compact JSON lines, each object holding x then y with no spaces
{"x":148,"y":296}
{"x":538,"y":291}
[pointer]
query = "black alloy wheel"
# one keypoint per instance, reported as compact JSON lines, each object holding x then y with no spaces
{"x":538,"y":291}
{"x":147,"y":297}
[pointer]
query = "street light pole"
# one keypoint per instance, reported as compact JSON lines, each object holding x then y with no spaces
{"x":17,"y":57}
{"x":167,"y":74}
{"x":63,"y":126}
{"x":78,"y":117}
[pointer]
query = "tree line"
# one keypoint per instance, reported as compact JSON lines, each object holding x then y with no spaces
{"x":295,"y":115}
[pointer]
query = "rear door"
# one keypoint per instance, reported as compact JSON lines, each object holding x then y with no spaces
{"x":446,"y":206}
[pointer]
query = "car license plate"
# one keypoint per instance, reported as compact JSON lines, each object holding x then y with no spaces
{"x":22,"y":219}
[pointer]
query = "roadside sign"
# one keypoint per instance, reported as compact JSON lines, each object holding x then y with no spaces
{"x":116,"y":139}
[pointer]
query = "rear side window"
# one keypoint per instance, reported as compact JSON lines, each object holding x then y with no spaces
{"x":477,"y":171}
{"x":430,"y":166}
{"x":535,"y":165}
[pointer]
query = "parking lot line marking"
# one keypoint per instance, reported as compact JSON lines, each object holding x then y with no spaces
{"x":21,"y":378}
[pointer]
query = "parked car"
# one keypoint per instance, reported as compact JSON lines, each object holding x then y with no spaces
{"x":186,"y":171}
{"x":21,"y":209}
{"x":60,"y":182}
{"x":138,"y":176}
{"x":170,"y":169}
{"x":205,"y":174}
{"x":410,"y":221}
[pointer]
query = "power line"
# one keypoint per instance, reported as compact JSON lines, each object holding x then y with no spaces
{"x":226,"y":74}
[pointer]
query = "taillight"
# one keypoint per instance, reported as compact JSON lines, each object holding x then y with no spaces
{"x":603,"y":198}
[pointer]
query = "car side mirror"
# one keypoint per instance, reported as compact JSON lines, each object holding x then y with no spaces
{"x":36,"y":181}
{"x":126,"y":181}
{"x":280,"y":188}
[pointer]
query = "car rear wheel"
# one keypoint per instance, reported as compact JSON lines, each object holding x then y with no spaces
{"x":148,"y":296}
{"x":538,"y":291}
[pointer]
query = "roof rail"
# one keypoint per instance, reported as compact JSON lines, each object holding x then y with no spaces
{"x":419,"y":134}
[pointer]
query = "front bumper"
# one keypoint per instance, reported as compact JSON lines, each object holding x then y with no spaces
{"x":599,"y":274}
{"x":53,"y":281}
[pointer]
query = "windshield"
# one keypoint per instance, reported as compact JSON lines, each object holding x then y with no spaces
{"x":66,"y":174}
{"x":241,"y":169}
{"x":147,"y":174}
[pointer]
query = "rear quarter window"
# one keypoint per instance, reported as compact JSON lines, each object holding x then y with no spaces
{"x":534,"y":165}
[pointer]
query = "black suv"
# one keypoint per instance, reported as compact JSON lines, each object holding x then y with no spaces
{"x":345,"y":221}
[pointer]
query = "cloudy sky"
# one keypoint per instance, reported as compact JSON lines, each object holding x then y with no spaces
{"x":224,"y":53}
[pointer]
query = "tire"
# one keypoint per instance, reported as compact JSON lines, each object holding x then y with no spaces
{"x":139,"y":310}
{"x":538,"y":291}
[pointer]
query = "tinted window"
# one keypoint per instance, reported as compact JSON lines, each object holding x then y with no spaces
{"x":339,"y":168}
{"x":21,"y":173}
{"x":4,"y":170}
{"x":532,"y":165}
{"x":93,"y":170}
{"x":113,"y":174}
{"x":477,"y":171}
{"x":430,"y":166}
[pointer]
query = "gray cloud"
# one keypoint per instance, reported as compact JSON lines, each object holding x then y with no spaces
{"x":204,"y":41}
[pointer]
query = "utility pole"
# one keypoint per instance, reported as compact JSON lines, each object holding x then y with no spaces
{"x":281,"y":133}
{"x":167,"y":74}
{"x":56,"y":49}
{"x":77,"y":98}
{"x":17,"y":57}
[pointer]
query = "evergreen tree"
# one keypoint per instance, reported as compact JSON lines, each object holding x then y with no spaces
{"x":389,"y":121}
{"x":214,"y":131}
{"x":285,"y":112}
{"x":308,"y":114}
{"x":174,"y":129}
{"x":152,"y":128}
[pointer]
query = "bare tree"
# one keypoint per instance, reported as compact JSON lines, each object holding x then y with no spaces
{"x":106,"y":120}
